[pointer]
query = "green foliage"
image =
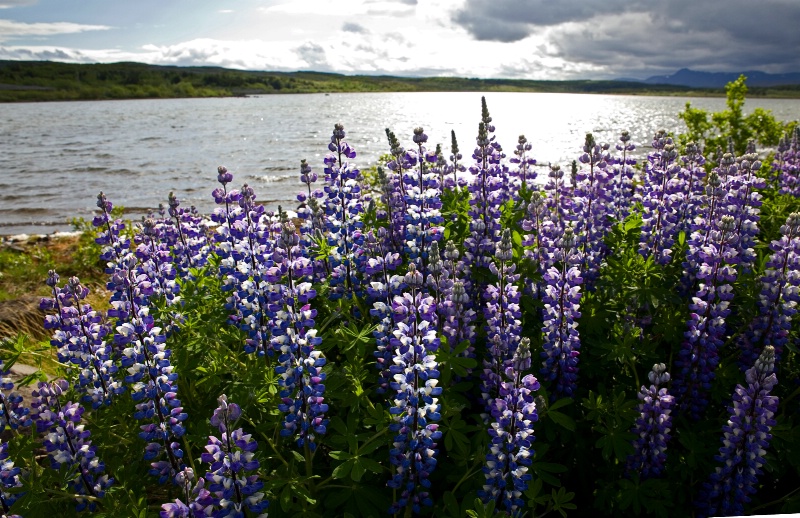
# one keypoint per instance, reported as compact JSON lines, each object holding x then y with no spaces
{"x":731,"y":124}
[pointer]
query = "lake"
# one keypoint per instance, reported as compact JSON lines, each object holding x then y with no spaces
{"x":56,"y":157}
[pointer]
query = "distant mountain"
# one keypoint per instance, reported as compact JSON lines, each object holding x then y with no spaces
{"x":696,"y":79}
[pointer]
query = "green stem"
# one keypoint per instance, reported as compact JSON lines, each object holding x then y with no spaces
{"x":775,"y":502}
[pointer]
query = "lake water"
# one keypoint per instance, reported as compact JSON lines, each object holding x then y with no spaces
{"x":56,"y":157}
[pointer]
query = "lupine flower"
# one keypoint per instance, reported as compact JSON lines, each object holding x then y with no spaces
{"x":454,"y":166}
{"x":533,"y":222}
{"x":622,"y":188}
{"x":456,"y":314}
{"x":789,"y":166}
{"x":525,"y":174}
{"x":691,"y":175}
{"x":343,"y":208}
{"x":652,"y":426}
{"x":511,"y":434}
{"x":779,"y":297}
{"x":186,"y":237}
{"x":503,"y":320}
{"x":591,"y":196}
{"x":562,"y":293}
{"x":661,"y":200}
{"x":14,"y":415}
{"x":80,"y":334}
{"x":295,"y":339}
{"x":486,"y":195}
{"x":9,"y":479}
{"x":12,"y":411}
{"x":415,"y":405}
{"x":423,"y":220}
{"x":232,"y":481}
{"x":743,"y":203}
{"x":699,"y":354}
{"x":744,"y":443}
{"x":67,"y":442}
{"x":199,"y":501}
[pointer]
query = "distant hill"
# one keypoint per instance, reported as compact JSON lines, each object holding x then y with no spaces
{"x":697,"y":79}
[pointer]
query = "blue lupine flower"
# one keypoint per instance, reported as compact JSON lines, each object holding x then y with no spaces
{"x":699,"y":353}
{"x":561,"y":297}
{"x":503,"y":320}
{"x":145,"y":358}
{"x":744,"y":443}
{"x":622,"y":189}
{"x":80,"y":334}
{"x":662,"y":200}
{"x":294,"y":340}
{"x":779,"y":297}
{"x":12,"y":411}
{"x":415,"y":405}
{"x":743,"y":204}
{"x":9,"y":479}
{"x":590,"y":199}
{"x":691,"y":183}
{"x":652,"y":426}
{"x":788,"y":165}
{"x":343,"y":208}
{"x":524,"y":174}
{"x":67,"y":442}
{"x":232,"y":481}
{"x":511,"y":434}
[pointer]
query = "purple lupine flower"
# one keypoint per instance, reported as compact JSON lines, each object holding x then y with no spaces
{"x":423,"y":220}
{"x":80,"y":334}
{"x":744,"y":443}
{"x":662,"y":199}
{"x":622,"y":187}
{"x":343,"y":209}
{"x":415,"y":405}
{"x":455,"y":166}
{"x":701,"y":228}
{"x":294,"y":339}
{"x":186,"y":237}
{"x":246,"y":258}
{"x":524,"y":174}
{"x":503,"y":320}
{"x":486,"y":197}
{"x":743,"y":203}
{"x":652,"y":426}
{"x":699,"y":354}
{"x":232,"y":479}
{"x":456,"y":314}
{"x":561,"y":295}
{"x":691,"y":175}
{"x":199,"y":500}
{"x":9,"y":479}
{"x":780,"y":294}
{"x":558,"y":199}
{"x":533,"y":222}
{"x":789,"y":166}
{"x":12,"y":411}
{"x":591,"y":196}
{"x":67,"y":442}
{"x":511,"y":434}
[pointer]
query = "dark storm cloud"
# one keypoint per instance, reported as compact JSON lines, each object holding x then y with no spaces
{"x":649,"y":36}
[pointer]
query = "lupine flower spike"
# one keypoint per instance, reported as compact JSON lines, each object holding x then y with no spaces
{"x":744,"y":443}
{"x":511,"y":434}
{"x":652,"y":426}
{"x":67,"y":442}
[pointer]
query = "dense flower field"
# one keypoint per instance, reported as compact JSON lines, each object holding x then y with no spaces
{"x":445,"y":335}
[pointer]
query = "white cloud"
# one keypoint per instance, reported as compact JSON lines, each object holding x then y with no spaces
{"x":10,"y":29}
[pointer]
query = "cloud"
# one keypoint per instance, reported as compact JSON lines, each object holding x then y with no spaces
{"x":10,"y":29}
{"x":354,"y":27}
{"x":648,"y":37}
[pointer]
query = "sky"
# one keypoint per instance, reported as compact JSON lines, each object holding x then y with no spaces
{"x":516,"y":39}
